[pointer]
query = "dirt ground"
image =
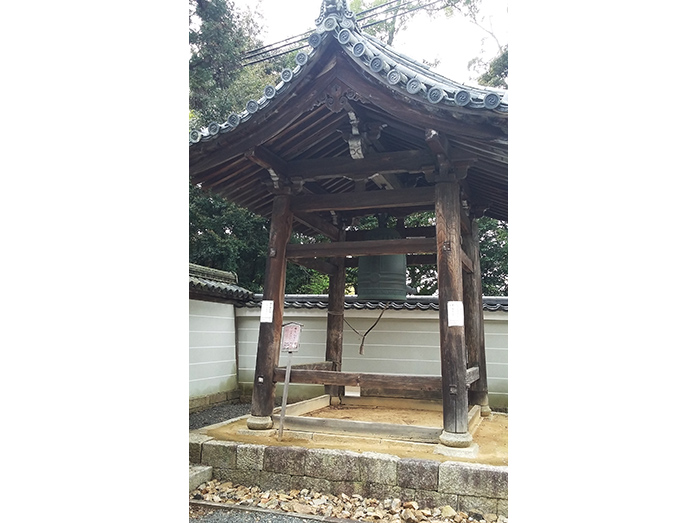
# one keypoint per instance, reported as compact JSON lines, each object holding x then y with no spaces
{"x":423,"y":418}
{"x":491,"y":435}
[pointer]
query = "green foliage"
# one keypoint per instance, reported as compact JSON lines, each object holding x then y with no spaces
{"x":493,"y":246}
{"x":395,"y":17}
{"x":227,"y":237}
{"x":219,"y":35}
{"x":497,"y":71}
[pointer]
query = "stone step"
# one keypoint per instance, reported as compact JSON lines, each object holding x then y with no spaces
{"x":199,"y":474}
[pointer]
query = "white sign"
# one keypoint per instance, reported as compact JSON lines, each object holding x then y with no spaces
{"x":266,"y":311}
{"x":456,"y":314}
{"x":291,"y":337}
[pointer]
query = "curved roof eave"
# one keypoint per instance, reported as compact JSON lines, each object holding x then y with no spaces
{"x":394,"y":70}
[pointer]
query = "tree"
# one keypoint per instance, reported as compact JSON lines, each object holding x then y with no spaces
{"x":493,"y":246}
{"x":224,"y":236}
{"x":385,"y":18}
{"x":227,"y":237}
{"x":220,"y":82}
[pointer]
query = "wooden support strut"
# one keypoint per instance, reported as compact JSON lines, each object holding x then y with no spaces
{"x":335,"y":321}
{"x":474,"y":321}
{"x":450,"y":295}
{"x":269,"y":345}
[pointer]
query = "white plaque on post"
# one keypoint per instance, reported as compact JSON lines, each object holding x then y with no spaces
{"x":266,"y":311}
{"x":456,"y":314}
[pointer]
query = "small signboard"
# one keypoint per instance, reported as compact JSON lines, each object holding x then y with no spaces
{"x":291,"y":337}
{"x":290,"y":340}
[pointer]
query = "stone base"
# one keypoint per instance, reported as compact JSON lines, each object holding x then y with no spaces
{"x":259,"y":422}
{"x":458,"y":440}
{"x":457,"y":452}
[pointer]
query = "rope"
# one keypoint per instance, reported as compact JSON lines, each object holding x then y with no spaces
{"x":360,"y":349}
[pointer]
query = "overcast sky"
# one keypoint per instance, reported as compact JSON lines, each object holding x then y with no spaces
{"x":453,"y":41}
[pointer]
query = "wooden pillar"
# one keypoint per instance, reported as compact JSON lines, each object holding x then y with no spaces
{"x":474,"y":320}
{"x":451,"y":315}
{"x":335,"y":321}
{"x":270,"y":328}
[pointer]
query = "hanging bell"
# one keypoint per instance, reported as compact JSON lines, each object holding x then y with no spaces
{"x":382,"y":278}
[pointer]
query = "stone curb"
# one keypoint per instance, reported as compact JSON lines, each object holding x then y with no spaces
{"x":467,"y":486}
{"x":199,"y":474}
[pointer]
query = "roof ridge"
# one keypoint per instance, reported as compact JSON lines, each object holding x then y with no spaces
{"x":212,"y":274}
{"x":398,"y":72}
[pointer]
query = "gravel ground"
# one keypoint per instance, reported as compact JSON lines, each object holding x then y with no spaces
{"x":241,"y":516}
{"x":221,"y":413}
{"x":217,"y":414}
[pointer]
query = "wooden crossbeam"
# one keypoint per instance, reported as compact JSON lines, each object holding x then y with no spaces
{"x":318,"y":224}
{"x":364,"y":200}
{"x":407,"y":232}
{"x":320,"y":365}
{"x":362,"y":168}
{"x":318,"y":265}
{"x":364,"y":248}
{"x":367,"y":379}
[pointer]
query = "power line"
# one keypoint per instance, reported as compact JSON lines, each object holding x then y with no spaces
{"x":293,"y":40}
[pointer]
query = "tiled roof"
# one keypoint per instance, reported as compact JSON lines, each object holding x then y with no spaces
{"x":423,"y":303}
{"x":396,"y":71}
{"x":216,"y":283}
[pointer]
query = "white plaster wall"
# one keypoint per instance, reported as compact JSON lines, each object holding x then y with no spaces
{"x":212,"y":354}
{"x":403,"y":342}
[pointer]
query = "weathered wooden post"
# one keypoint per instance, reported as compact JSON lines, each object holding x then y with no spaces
{"x":474,"y":319}
{"x":335,"y":320}
{"x":268,"y":347}
{"x":451,"y":311}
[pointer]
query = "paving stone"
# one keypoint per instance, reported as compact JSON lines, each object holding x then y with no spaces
{"x":199,"y":474}
{"x":476,"y":504}
{"x":430,"y":498}
{"x":419,"y":474}
{"x":316,"y":484}
{"x":238,"y":476}
{"x":334,"y":465}
{"x":250,"y":457}
{"x":473,"y":479}
{"x":285,"y":460}
{"x":378,"y":468}
{"x":222,"y":454}
{"x":195,"y":442}
{"x":381,"y":491}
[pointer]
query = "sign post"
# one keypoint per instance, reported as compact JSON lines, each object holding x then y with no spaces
{"x":290,"y":340}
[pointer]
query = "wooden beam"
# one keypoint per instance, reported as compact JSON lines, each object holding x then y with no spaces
{"x":367,"y":379}
{"x":438,"y":143}
{"x":474,"y":320}
{"x":412,"y":259}
{"x":364,"y":248}
{"x":358,"y":379}
{"x":269,"y":344}
{"x":371,"y":429}
{"x":267,"y":159}
{"x":451,"y":322}
{"x":364,"y":200}
{"x":318,"y":224}
{"x":464,"y":222}
{"x":320,"y":365}
{"x":318,"y":265}
{"x":466,"y":263}
{"x":335,"y":322}
{"x":362,"y":168}
{"x":407,"y":232}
